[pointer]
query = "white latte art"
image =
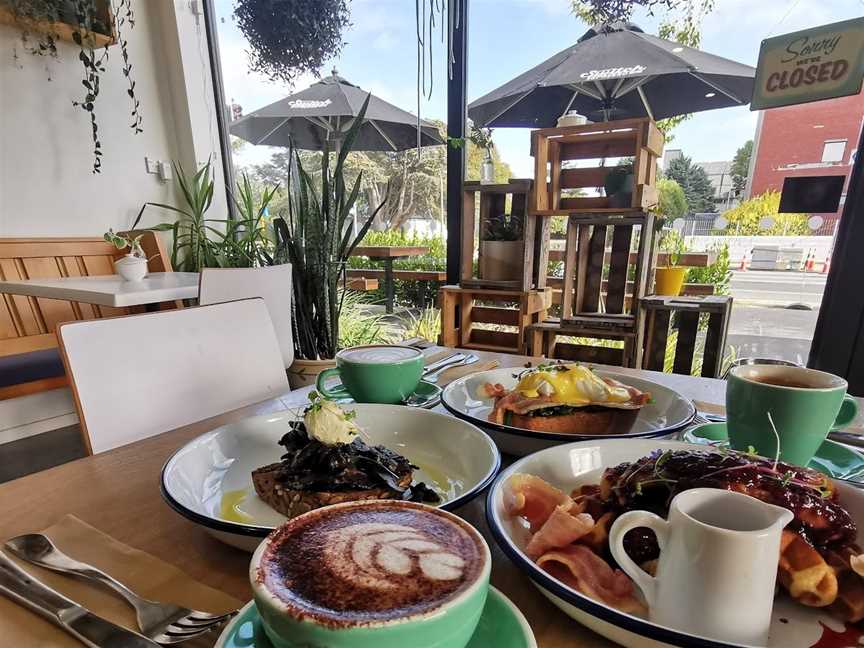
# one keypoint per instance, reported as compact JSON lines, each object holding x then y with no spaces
{"x":378,"y":354}
{"x":372,"y":554}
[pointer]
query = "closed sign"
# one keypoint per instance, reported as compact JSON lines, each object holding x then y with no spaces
{"x":819,"y":63}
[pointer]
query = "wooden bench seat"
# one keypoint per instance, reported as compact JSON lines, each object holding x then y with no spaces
{"x":28,"y":344}
{"x":403,"y":275}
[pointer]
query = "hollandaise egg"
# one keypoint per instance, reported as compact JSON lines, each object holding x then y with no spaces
{"x":574,"y":385}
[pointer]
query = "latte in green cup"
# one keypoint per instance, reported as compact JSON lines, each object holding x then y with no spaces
{"x":383,"y":573}
{"x":375,"y":373}
{"x":803,"y":404}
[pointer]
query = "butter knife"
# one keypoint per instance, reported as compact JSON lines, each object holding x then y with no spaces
{"x":88,"y":628}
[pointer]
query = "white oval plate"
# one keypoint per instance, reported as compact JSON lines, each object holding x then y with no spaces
{"x":454,"y":457}
{"x":667,"y":412}
{"x":567,"y":467}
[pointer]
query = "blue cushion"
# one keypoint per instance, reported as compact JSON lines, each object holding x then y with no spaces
{"x":27,"y":367}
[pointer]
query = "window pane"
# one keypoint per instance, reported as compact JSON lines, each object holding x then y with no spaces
{"x":833,"y":151}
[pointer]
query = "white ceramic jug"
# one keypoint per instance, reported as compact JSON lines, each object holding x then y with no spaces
{"x":718,"y":563}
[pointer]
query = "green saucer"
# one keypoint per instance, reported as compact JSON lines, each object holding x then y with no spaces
{"x":427,"y":395}
{"x":502,"y":626}
{"x":834,"y":459}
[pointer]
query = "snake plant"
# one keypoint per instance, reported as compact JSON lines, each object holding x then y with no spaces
{"x":316,"y":238}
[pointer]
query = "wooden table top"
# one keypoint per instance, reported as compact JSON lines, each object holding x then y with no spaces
{"x":118,"y":493}
{"x":109,"y":290}
{"x":389,"y":251}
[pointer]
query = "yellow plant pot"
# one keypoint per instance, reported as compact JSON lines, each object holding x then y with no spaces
{"x":668,"y":281}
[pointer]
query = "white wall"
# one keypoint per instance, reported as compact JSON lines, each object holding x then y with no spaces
{"x":46,"y":184}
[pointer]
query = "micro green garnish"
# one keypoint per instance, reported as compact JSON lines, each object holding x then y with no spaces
{"x":751,"y":451}
{"x":788,"y":476}
{"x":350,"y":416}
{"x":314,"y":402}
{"x":777,"y":438}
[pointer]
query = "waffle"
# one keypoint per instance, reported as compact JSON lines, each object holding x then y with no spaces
{"x":849,"y":604}
{"x":804,"y":573}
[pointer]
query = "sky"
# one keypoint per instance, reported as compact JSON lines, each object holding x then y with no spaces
{"x":507,"y":37}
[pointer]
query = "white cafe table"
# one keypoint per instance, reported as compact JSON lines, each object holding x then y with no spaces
{"x":109,"y":290}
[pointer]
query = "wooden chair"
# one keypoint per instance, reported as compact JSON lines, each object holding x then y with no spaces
{"x":272,"y":284}
{"x":137,"y":376}
{"x":29,"y":361}
{"x":589,"y":265}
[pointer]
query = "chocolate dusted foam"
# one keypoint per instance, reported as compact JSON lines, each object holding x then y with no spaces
{"x":355,"y":565}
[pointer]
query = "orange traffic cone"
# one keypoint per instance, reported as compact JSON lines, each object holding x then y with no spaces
{"x":826,"y":265}
{"x":811,"y":261}
{"x":743,"y":266}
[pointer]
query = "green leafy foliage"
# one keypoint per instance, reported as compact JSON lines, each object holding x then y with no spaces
{"x":288,"y":38}
{"x":123,"y":241}
{"x":316,"y":237}
{"x":741,"y":167}
{"x":694,"y":181}
{"x":744,"y":220}
{"x":718,"y":273}
{"x":673,"y":244}
{"x":358,"y":325}
{"x":672,"y":201}
{"x":503,"y":227}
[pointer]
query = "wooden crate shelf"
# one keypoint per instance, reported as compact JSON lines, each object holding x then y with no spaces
{"x":687,"y":310}
{"x":464,"y":308}
{"x":490,"y":202}
{"x":552,"y":147}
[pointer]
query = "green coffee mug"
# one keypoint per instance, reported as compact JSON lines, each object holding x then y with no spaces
{"x":450,"y":624}
{"x":804,"y":405}
{"x":375,"y":373}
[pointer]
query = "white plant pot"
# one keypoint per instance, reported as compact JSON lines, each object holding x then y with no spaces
{"x":131,"y":268}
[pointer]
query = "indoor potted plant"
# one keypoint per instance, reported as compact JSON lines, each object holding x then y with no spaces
{"x":132,"y":266}
{"x":315,"y":237}
{"x":669,"y":279}
{"x":618,"y":185}
{"x":501,"y":248}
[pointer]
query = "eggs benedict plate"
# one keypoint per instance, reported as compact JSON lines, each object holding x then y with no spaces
{"x":525,"y":410}
{"x":568,"y":399}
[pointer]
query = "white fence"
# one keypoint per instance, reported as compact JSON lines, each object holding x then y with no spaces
{"x":739,"y":245}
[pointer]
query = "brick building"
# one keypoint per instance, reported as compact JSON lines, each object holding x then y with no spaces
{"x":818,"y":138}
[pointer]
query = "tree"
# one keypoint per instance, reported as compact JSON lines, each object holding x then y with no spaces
{"x":672,"y":201}
{"x":695,"y":183}
{"x":741,"y":167}
{"x":746,"y":219}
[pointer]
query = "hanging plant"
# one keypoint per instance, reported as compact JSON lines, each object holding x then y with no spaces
{"x":290,"y":37}
{"x":89,"y":23}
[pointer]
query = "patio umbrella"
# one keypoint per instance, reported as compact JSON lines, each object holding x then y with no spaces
{"x":325,"y":111}
{"x":616,"y":71}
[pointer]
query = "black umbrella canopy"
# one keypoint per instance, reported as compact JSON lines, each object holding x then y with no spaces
{"x":617,"y":71}
{"x":325,"y":111}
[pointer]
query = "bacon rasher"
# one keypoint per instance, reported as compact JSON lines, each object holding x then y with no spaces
{"x":533,"y":498}
{"x":559,"y":530}
{"x":584,"y":571}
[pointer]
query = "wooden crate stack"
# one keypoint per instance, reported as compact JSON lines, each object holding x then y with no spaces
{"x":593,"y":223}
{"x":515,"y":304}
{"x":687,"y":310}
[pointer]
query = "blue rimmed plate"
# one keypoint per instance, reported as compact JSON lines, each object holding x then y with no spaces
{"x":209,"y":480}
{"x":569,"y":466}
{"x":502,"y":625}
{"x":667,"y":412}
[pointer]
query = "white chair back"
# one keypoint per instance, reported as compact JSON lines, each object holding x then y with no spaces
{"x":270,"y":283}
{"x":137,"y":376}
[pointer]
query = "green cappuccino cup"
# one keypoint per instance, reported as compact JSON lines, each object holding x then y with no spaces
{"x":382,"y":574}
{"x":802,"y":404}
{"x":375,"y":373}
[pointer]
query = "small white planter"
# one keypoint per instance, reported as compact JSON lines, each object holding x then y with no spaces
{"x":131,"y":268}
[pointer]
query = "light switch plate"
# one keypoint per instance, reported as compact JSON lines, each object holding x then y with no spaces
{"x":152,"y":166}
{"x":165,"y":173}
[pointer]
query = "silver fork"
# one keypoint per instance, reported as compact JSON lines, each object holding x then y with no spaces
{"x":164,"y":623}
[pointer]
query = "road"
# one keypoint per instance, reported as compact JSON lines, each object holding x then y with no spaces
{"x":762,"y":326}
{"x":774,"y":288}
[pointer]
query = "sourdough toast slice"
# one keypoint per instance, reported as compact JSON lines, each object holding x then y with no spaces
{"x":291,"y":503}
